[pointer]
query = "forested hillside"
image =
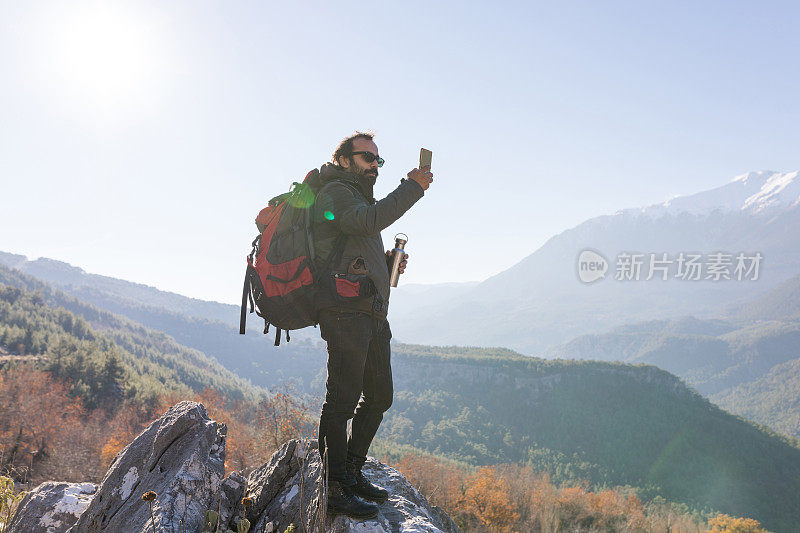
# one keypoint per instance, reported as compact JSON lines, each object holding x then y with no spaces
{"x":190,"y":322}
{"x":611,"y":423}
{"x":71,"y":398}
{"x":75,"y":388}
{"x":712,"y":355}
{"x":745,"y":363}
{"x":94,"y":349}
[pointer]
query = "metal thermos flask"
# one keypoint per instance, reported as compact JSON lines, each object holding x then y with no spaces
{"x":397,"y":257}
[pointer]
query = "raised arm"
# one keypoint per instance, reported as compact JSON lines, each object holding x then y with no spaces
{"x":344,"y":207}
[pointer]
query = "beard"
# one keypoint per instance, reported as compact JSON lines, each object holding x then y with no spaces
{"x":370,"y":175}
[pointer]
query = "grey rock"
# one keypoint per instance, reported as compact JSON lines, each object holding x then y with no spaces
{"x":287,"y":491}
{"x":228,"y":500}
{"x":266,"y":481}
{"x":180,"y":456}
{"x":52,"y":507}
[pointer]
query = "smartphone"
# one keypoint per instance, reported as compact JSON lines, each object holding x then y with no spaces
{"x":424,"y":157}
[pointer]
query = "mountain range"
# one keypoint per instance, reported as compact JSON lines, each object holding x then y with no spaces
{"x":540,"y":302}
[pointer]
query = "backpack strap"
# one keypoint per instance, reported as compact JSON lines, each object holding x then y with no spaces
{"x":245,"y":294}
{"x":337,"y":251}
{"x":278,"y":336}
{"x":341,"y":240}
{"x":347,"y":184}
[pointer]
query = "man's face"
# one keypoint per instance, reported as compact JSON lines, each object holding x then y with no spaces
{"x":357,"y":164}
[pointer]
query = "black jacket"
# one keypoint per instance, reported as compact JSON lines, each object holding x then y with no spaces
{"x":344,"y":205}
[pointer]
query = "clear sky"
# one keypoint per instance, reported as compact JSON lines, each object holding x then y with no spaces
{"x":140,"y":139}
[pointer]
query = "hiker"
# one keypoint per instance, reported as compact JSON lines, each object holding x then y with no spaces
{"x":352,"y":313}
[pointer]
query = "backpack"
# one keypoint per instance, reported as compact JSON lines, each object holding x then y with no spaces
{"x":281,"y":278}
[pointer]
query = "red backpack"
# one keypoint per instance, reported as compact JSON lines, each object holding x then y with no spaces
{"x":281,"y":280}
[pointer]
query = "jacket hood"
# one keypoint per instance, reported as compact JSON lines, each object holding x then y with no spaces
{"x":332,"y":172}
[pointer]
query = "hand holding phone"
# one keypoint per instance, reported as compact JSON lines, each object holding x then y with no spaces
{"x":425,"y":157}
{"x":423,"y":175}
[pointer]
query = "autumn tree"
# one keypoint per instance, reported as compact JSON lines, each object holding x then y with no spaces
{"x":487,"y":498}
{"x":129,"y":420}
{"x":723,"y":523}
{"x":283,"y":416}
{"x":442,"y":482}
{"x":43,"y":426}
{"x":533,"y":495}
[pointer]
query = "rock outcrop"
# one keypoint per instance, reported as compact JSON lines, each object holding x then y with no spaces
{"x":286,"y":490}
{"x":180,"y":457}
{"x":52,"y":507}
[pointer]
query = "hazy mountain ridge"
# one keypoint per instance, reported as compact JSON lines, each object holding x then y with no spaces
{"x":72,"y":277}
{"x":779,"y":304}
{"x":106,"y":291}
{"x":540,"y":302}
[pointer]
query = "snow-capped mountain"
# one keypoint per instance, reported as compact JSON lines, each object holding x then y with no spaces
{"x":542,"y":301}
{"x":755,"y":192}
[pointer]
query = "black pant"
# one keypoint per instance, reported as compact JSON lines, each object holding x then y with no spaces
{"x":358,"y":362}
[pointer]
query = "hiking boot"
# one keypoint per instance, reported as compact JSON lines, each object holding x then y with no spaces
{"x":343,"y":500}
{"x":364,"y":488}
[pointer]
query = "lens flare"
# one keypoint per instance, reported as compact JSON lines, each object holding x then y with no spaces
{"x":302,"y":196}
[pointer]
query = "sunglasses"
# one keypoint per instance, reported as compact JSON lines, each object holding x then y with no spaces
{"x":369,"y":157}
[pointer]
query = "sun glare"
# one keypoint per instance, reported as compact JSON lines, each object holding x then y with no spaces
{"x":104,"y":56}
